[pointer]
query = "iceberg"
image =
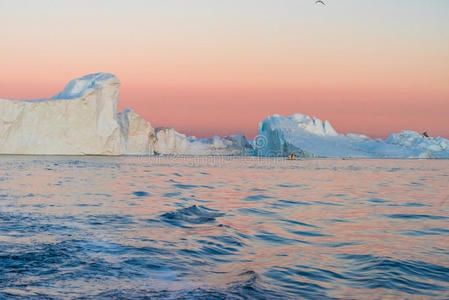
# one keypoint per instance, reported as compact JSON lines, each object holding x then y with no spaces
{"x":434,"y":146}
{"x":137,"y":136}
{"x":310,"y":137}
{"x":80,"y":120}
{"x":169,"y":141}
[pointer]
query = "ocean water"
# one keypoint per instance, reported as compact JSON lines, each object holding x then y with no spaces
{"x":223,"y":228}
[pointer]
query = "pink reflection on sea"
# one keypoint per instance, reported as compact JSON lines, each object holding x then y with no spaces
{"x":319,"y":225}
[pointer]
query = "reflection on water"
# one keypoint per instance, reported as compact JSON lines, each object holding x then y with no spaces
{"x":214,"y":228}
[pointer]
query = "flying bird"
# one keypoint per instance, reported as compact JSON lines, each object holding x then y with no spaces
{"x":320,"y":1}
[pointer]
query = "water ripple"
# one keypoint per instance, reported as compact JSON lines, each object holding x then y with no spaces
{"x":416,"y":216}
{"x":383,"y":272}
{"x":244,"y":229}
{"x":192,"y":215}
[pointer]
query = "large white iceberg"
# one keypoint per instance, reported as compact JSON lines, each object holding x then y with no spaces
{"x":80,"y":120}
{"x":310,"y":137}
{"x":83,"y":120}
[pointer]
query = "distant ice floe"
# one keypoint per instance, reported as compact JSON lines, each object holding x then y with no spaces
{"x":169,"y":141}
{"x":310,"y":137}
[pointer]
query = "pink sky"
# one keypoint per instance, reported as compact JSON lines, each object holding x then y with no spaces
{"x":220,"y":68}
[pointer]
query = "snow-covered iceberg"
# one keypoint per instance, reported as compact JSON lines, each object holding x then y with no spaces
{"x":80,"y":120}
{"x":310,"y":137}
{"x":169,"y":141}
{"x":138,"y":137}
{"x":426,"y":146}
{"x":83,"y":120}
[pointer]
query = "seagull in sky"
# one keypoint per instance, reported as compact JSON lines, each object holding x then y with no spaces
{"x":320,"y":1}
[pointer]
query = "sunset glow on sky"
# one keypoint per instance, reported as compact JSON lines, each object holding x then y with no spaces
{"x":209,"y":67}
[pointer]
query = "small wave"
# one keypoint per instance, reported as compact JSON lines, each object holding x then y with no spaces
{"x":295,"y":202}
{"x":415,"y":216}
{"x":192,"y":215}
{"x":109,"y":220}
{"x":415,"y":204}
{"x":256,"y":197}
{"x":339,"y":245}
{"x":299,"y":223}
{"x":256,"y":211}
{"x":230,"y":240}
{"x":216,"y":249}
{"x":410,"y":204}
{"x":185,"y":186}
{"x":378,"y":200}
{"x":171,"y":194}
{"x":335,"y":195}
{"x":16,"y":225}
{"x":328,"y":203}
{"x":302,"y":186}
{"x":300,"y":282}
{"x":427,"y":231}
{"x":274,"y":238}
{"x":141,"y":194}
{"x":308,"y":233}
{"x":369,"y":271}
{"x":249,"y":286}
{"x":37,"y":259}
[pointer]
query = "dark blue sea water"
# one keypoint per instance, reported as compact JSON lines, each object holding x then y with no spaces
{"x":223,"y":228}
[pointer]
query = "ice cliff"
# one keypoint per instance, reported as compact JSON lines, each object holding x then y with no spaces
{"x":83,"y":120}
{"x":310,"y":137}
{"x":79,"y":120}
{"x":136,"y":134}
